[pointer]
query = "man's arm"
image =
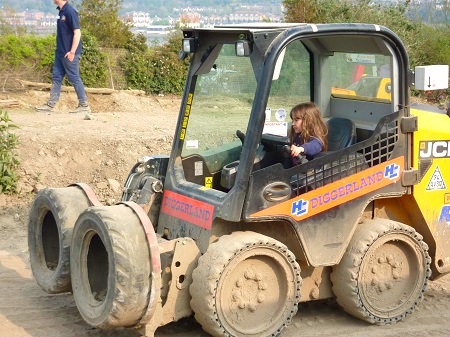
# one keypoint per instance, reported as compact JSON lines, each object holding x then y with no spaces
{"x":75,"y":42}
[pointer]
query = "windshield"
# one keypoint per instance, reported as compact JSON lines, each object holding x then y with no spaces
{"x":225,"y":86}
{"x":221,"y":105}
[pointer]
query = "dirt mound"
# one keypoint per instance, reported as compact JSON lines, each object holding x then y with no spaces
{"x":61,"y":148}
{"x":120,"y":101}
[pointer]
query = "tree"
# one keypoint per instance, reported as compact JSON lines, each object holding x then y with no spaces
{"x":93,"y":64}
{"x":101,"y":19}
{"x":301,"y":10}
{"x":320,"y":11}
{"x":392,"y":16}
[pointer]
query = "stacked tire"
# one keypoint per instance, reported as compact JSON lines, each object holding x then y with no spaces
{"x":51,"y":221}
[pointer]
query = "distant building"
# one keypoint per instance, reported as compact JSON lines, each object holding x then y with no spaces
{"x":34,"y":15}
{"x":190,"y":20}
{"x":139,"y":19}
{"x":154,"y":26}
{"x":193,"y":20}
{"x":49,"y":20}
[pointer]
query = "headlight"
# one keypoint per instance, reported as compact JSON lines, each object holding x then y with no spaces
{"x":190,"y":45}
{"x":243,"y":48}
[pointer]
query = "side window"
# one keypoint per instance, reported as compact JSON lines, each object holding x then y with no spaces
{"x":291,"y":83}
{"x":361,"y":76}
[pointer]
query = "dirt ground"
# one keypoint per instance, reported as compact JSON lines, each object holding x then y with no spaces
{"x":60,"y":148}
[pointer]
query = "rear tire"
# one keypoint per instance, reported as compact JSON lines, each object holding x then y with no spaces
{"x":246,"y":284}
{"x":110,"y":266}
{"x":384,"y":272}
{"x":51,"y":220}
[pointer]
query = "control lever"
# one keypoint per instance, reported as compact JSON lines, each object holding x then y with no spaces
{"x":240,"y":135}
{"x":301,"y":157}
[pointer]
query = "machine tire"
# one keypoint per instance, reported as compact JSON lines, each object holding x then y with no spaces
{"x":384,"y":272}
{"x":110,"y":267}
{"x":246,"y":284}
{"x":51,"y":220}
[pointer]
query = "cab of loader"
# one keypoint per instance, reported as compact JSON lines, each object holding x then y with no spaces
{"x":228,"y":158}
{"x":227,"y":168}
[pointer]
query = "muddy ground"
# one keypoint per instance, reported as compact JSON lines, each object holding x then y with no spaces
{"x":60,"y":148}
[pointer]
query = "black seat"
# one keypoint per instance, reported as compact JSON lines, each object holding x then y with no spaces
{"x":341,"y":133}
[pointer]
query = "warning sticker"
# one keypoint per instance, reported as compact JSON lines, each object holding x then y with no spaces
{"x":208,"y":182}
{"x":436,"y":182}
{"x":198,"y":168}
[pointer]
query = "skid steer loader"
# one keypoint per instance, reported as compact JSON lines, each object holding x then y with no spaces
{"x":224,"y":230}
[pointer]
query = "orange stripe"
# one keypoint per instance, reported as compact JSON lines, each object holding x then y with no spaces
{"x":338,"y":192}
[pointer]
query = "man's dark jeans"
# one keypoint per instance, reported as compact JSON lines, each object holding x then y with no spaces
{"x":62,"y":67}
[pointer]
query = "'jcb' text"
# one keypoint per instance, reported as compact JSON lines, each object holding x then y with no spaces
{"x":435,"y":149}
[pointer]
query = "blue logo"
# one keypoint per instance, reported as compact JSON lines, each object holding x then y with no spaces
{"x":445,"y":214}
{"x":391,"y":171}
{"x":300,"y":207}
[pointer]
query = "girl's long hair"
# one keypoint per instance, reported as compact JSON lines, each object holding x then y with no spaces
{"x":312,"y":123}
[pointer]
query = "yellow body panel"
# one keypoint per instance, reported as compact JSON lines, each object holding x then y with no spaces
{"x":431,"y":144}
{"x":341,"y":91}
{"x":384,"y":90}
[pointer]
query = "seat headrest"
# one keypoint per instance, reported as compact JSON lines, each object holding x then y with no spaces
{"x":341,"y":133}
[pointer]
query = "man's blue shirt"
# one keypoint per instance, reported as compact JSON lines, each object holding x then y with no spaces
{"x":67,"y":21}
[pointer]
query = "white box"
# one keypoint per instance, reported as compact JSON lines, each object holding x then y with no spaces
{"x":431,"y":77}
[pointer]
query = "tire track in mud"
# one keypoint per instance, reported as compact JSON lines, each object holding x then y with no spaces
{"x":26,"y":310}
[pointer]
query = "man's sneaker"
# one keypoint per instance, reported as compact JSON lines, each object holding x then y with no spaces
{"x":45,"y":108}
{"x":81,"y":108}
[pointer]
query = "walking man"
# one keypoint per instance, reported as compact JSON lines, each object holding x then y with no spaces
{"x":67,"y":57}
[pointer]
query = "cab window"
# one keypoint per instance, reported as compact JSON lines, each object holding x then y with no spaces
{"x":361,"y":76}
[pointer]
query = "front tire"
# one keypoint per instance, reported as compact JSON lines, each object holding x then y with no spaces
{"x":51,"y":220}
{"x":384,"y":272}
{"x":246,"y":284}
{"x":110,"y":266}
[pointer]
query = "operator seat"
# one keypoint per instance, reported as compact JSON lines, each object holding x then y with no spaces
{"x":341,"y":133}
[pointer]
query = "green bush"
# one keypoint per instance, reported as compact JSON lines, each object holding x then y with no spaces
{"x":93,"y":65}
{"x":157,"y":70}
{"x":8,"y":158}
{"x":27,"y":52}
{"x":35,"y":54}
{"x":135,"y":63}
{"x":434,"y":46}
{"x":168,"y":72}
